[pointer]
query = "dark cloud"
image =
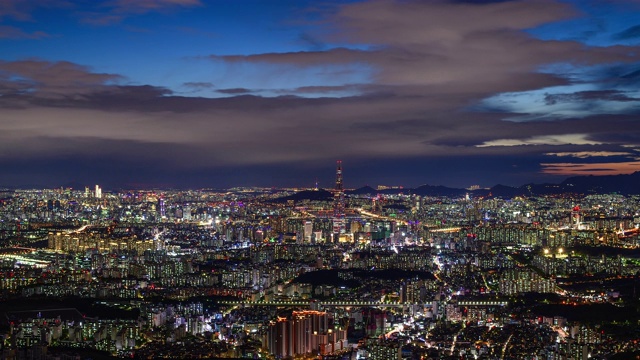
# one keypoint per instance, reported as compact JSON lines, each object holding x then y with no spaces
{"x":631,"y":134}
{"x":607,"y":95}
{"x":632,"y":32}
{"x":454,"y":48}
{"x":632,"y":75}
{"x":146,"y":124}
{"x":234,"y":91}
{"x":622,"y":155}
{"x":45,"y":79}
{"x":314,"y":43}
{"x":352,"y":90}
{"x":302,"y":58}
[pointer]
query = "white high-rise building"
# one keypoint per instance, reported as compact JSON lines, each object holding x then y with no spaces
{"x":308,"y":230}
{"x":186,"y":212}
{"x":98,"y":192}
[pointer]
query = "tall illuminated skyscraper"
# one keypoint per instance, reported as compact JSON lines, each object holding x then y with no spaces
{"x":98,"y":192}
{"x":161,"y":208}
{"x":338,"y":203}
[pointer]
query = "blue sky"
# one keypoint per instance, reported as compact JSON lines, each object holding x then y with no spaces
{"x":597,"y":23}
{"x":166,"y":47}
{"x":217,"y":93}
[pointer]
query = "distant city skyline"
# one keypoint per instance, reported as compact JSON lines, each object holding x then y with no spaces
{"x":197,"y":93}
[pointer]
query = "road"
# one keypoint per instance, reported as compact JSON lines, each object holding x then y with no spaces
{"x":504,"y":347}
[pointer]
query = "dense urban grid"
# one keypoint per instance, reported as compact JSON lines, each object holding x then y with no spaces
{"x":309,"y":273}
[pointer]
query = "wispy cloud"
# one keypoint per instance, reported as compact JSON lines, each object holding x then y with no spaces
{"x":566,"y":139}
{"x":44,"y":79}
{"x":21,"y":10}
{"x":112,"y":12}
{"x":127,"y":6}
{"x":199,"y":85}
{"x":12,"y":32}
{"x":589,"y":154}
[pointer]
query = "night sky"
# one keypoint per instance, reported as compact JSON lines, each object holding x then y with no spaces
{"x":198,"y":93}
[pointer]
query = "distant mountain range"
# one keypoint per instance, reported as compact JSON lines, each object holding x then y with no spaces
{"x":604,"y":184}
{"x":622,"y":184}
{"x":585,"y":185}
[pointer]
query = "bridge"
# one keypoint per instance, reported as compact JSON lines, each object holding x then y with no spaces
{"x":445,"y":230}
{"x":482,"y":303}
{"x":319,"y":303}
{"x":468,"y":303}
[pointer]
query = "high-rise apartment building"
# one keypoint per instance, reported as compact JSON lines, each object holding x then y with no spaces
{"x":305,"y":333}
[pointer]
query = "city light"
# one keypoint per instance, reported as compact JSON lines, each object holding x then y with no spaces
{"x":201,"y":273}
